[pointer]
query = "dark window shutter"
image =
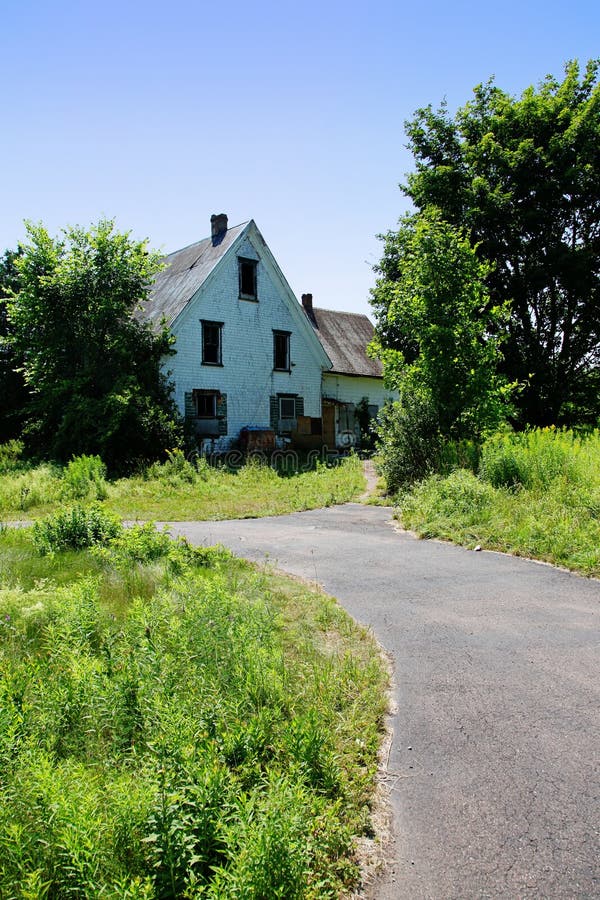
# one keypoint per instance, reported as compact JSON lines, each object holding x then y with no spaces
{"x":189,"y":406}
{"x":274,"y":412}
{"x":299,"y":406}
{"x":222,"y":413}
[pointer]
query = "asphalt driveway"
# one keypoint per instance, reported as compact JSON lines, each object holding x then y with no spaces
{"x":494,"y":767}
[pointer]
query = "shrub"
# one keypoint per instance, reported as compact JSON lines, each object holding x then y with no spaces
{"x":10,"y":456}
{"x":463,"y":454}
{"x":500,"y":465}
{"x":75,"y":529}
{"x":194,"y":740}
{"x":140,"y":544}
{"x":84,"y":479}
{"x":143,"y":544}
{"x":408,"y":443}
{"x":26,"y":489}
{"x":531,"y":459}
{"x":176,"y":470}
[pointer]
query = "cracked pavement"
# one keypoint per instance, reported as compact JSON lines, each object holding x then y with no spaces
{"x":493,"y":774}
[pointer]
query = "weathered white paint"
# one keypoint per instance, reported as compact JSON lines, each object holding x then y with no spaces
{"x":352,"y":389}
{"x":246,"y":374}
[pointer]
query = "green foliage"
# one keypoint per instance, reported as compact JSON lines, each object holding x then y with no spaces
{"x":179,"y":489}
{"x":12,"y":385}
{"x":143,"y":544}
{"x":446,"y":366}
{"x":184,"y":743}
{"x":409,"y":441}
{"x":10,"y":456}
{"x":176,"y":470}
{"x":93,"y":369}
{"x":75,"y":529}
{"x":522,"y":177}
{"x":537,"y":494}
{"x":449,"y":355}
{"x":28,"y":488}
{"x":84,"y":479}
{"x":532,"y":459}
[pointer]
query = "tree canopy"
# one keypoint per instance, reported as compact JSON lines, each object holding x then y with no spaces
{"x":437,"y":307}
{"x":12,"y":385}
{"x":92,"y":367}
{"x":521,"y":176}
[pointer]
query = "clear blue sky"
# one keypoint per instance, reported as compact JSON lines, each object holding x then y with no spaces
{"x":290,"y":113}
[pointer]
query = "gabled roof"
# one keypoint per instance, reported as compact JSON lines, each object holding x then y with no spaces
{"x":186,"y":271}
{"x":344,"y":337}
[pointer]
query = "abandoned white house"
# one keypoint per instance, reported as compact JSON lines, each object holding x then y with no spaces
{"x":252,"y":363}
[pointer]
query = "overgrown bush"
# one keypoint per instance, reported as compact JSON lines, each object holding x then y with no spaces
{"x":10,"y":456}
{"x":84,"y":478}
{"x":409,"y":442}
{"x":532,"y":458}
{"x":537,"y":494}
{"x":75,"y":529}
{"x":463,"y":454}
{"x":143,"y":544}
{"x":198,"y":740}
{"x":175,"y":470}
{"x":30,"y":488}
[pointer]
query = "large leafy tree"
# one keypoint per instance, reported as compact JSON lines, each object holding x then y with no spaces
{"x":438,"y":309}
{"x":522,"y":176}
{"x":13,"y":391}
{"x":92,"y":367}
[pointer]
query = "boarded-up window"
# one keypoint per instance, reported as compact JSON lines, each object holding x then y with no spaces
{"x":285,"y":410}
{"x":206,"y":411}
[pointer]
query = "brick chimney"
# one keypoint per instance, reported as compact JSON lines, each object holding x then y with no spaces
{"x":307,"y":304}
{"x":218,"y":226}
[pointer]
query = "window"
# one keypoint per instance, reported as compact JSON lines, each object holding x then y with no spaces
{"x":287,"y":407}
{"x":211,"y":343}
{"x":281,"y":351}
{"x":206,"y":413}
{"x":206,"y":404}
{"x":247,"y":273}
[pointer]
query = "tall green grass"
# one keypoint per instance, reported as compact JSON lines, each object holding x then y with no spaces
{"x":179,"y":489}
{"x":535,"y":494}
{"x":175,"y":723}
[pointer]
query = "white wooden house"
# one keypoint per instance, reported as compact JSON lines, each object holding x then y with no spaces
{"x":249,"y":357}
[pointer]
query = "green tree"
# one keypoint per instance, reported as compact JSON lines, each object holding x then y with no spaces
{"x":12,"y":385}
{"x":92,"y":367}
{"x":438,"y":309}
{"x":522,"y":176}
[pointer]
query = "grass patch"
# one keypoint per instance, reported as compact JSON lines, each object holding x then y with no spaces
{"x":177,"y":723}
{"x":179,"y":490}
{"x":537,"y":494}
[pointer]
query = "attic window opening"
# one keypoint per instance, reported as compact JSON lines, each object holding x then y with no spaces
{"x":281,"y":351}
{"x":247,"y":273}
{"x":211,"y":343}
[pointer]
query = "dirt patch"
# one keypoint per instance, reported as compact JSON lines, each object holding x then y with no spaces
{"x":371,"y":477}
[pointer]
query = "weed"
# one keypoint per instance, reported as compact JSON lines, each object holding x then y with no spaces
{"x":537,"y":494}
{"x":177,"y":732}
{"x":10,"y":456}
{"x":84,"y":479}
{"x":180,"y":489}
{"x":75,"y":529}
